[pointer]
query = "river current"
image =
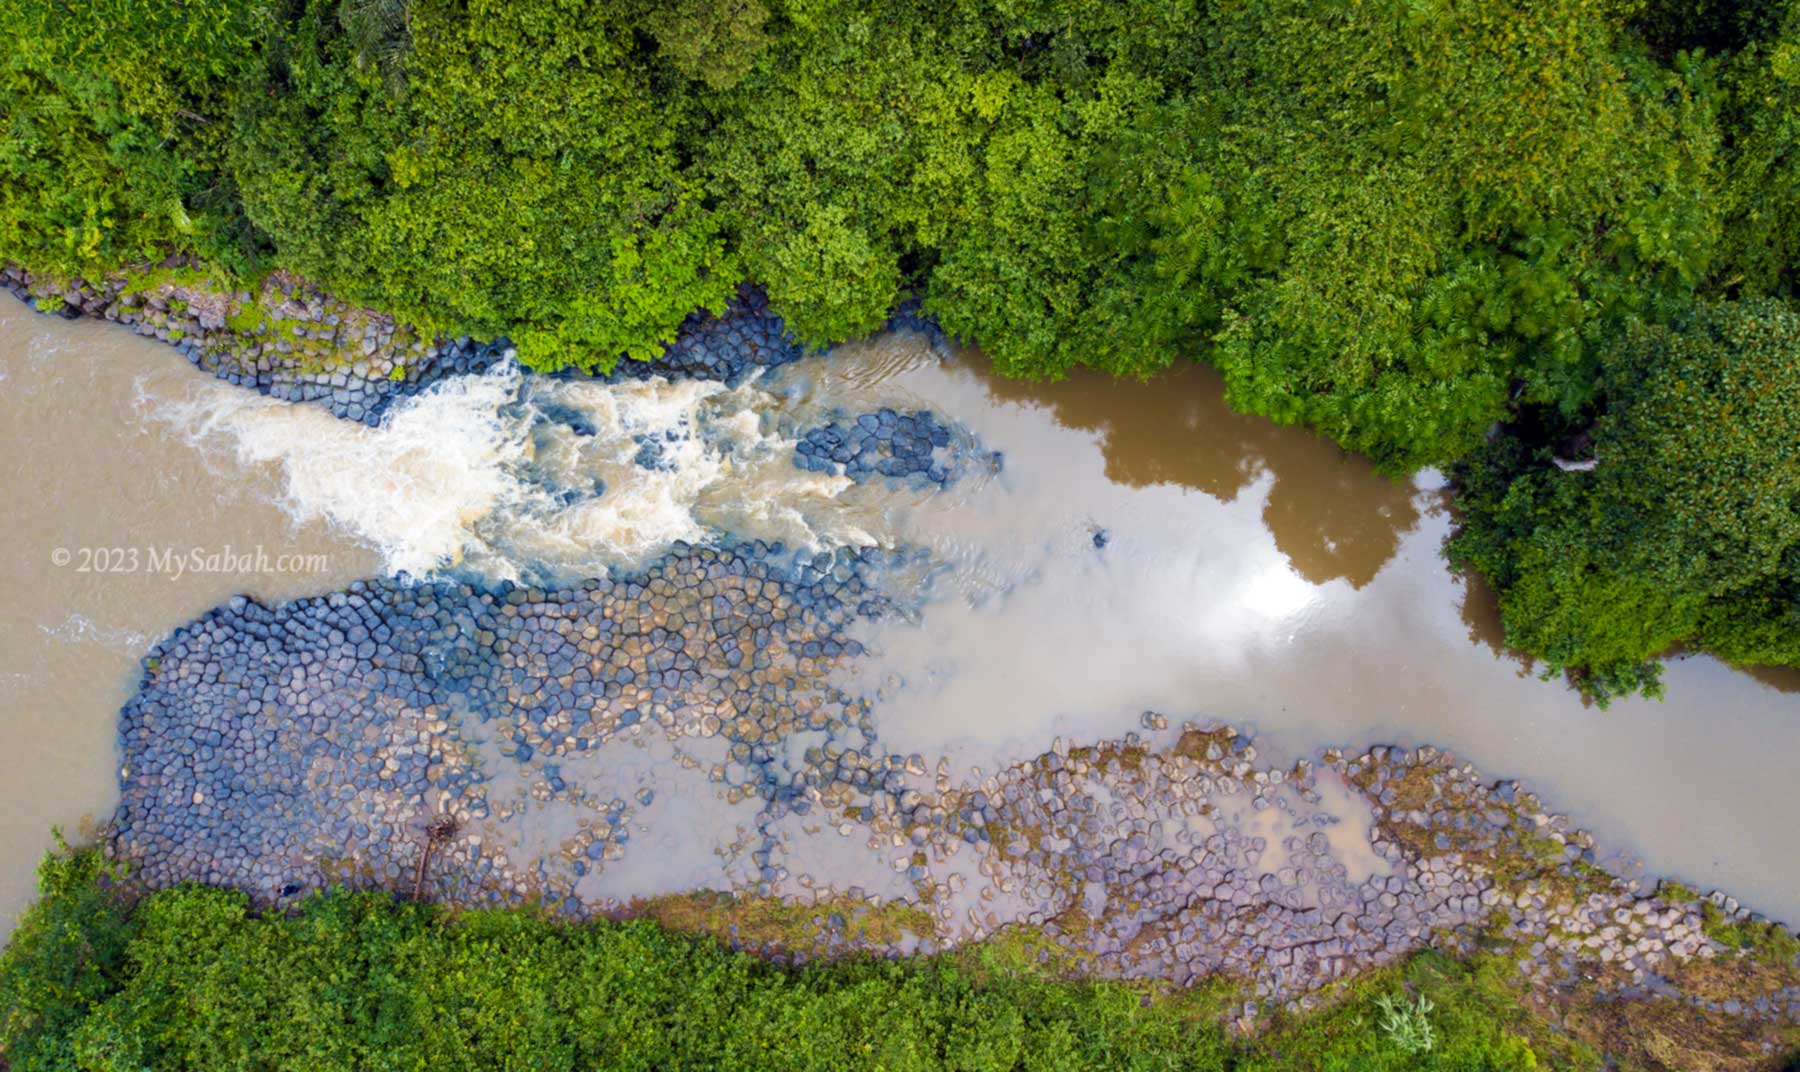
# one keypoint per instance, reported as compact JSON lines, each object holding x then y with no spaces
{"x":1131,"y":547}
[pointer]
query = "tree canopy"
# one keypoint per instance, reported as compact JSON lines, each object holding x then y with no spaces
{"x":1403,"y":223}
{"x":1686,"y":530}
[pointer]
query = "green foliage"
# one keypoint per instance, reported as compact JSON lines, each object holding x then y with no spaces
{"x":830,"y":280}
{"x":191,"y":978}
{"x":810,"y":163}
{"x":112,"y":125}
{"x":1407,"y":1024}
{"x":1762,"y":113}
{"x":1716,"y":27}
{"x":714,"y":41}
{"x":527,"y":181}
{"x":380,"y":34}
{"x":69,"y":953}
{"x":1435,"y":209}
{"x":1381,"y":218}
{"x":1688,"y":529}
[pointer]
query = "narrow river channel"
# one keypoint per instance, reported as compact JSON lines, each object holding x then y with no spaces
{"x":1109,"y":548}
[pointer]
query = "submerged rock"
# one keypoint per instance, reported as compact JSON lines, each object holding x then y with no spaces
{"x":917,"y":446}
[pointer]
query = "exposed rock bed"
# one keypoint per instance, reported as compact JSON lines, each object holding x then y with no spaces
{"x":887,"y":443}
{"x":294,"y":342}
{"x":680,"y":729}
{"x":276,"y":749}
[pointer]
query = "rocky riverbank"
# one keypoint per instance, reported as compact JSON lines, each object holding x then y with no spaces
{"x":288,"y":339}
{"x":292,"y":341}
{"x":681,"y":729}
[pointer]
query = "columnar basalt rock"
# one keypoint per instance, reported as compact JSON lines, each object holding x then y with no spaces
{"x":289,"y":340}
{"x":887,"y":443}
{"x":281,"y":749}
{"x":294,"y":342}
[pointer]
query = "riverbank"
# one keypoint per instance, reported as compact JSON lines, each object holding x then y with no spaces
{"x":290,"y":340}
{"x":285,"y":770}
{"x":186,"y":977}
{"x":193,"y":976}
{"x":680,"y":729}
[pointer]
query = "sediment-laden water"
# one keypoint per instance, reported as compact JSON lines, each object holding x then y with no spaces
{"x":1082,"y":552}
{"x":99,"y":466}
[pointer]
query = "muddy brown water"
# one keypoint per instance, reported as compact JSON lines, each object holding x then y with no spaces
{"x":90,"y":468}
{"x":1249,"y":573}
{"x":1258,"y":574}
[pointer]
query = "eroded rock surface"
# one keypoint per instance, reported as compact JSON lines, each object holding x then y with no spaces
{"x":680,"y":729}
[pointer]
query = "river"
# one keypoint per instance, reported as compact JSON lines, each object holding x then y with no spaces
{"x":1138,"y":546}
{"x":94,"y":464}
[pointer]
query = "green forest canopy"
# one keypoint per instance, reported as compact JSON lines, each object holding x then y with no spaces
{"x":1398,"y":221}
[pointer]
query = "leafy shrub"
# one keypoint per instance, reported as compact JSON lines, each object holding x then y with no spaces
{"x":1407,"y":1024}
{"x":69,"y":953}
{"x":1687,"y":530}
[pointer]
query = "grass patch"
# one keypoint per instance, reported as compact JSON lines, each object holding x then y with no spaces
{"x":1769,"y":943}
{"x":1676,"y":892}
{"x":247,"y":318}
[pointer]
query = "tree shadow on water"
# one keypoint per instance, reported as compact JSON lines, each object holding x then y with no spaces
{"x":1329,"y":511}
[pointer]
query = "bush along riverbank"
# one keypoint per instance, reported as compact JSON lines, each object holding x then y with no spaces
{"x":290,"y":340}
{"x":100,"y":975}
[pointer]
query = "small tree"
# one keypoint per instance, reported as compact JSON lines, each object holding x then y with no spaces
{"x":711,"y":41}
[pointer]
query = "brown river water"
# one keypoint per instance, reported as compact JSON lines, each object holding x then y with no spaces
{"x":90,"y":469}
{"x":1249,"y":573}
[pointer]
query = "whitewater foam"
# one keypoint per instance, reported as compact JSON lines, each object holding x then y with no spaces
{"x":80,"y":629}
{"x":508,"y":476}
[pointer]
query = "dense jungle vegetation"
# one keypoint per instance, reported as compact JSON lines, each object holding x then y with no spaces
{"x":190,"y":978}
{"x":1406,"y":223}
